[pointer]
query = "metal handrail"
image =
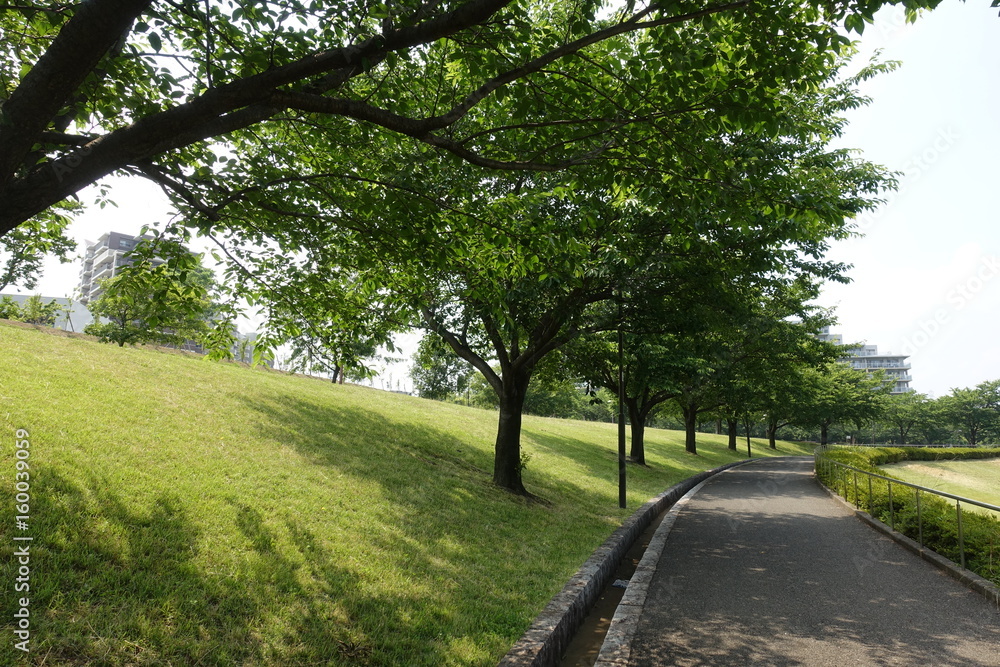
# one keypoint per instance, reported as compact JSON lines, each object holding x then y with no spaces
{"x":869,"y":445}
{"x":892,"y":524}
{"x":893,"y":480}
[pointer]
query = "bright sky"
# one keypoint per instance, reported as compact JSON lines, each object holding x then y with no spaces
{"x":924,"y":277}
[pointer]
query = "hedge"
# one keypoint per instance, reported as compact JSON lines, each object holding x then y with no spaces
{"x":938,"y":515}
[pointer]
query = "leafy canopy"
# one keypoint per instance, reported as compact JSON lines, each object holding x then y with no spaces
{"x":175,"y":93}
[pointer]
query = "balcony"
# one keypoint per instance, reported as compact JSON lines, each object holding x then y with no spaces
{"x":879,"y":365}
{"x":103,"y":272}
{"x":106,"y":254}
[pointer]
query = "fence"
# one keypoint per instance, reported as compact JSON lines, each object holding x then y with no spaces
{"x":843,"y":478}
{"x":963,"y":446}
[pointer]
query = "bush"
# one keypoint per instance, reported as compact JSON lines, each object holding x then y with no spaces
{"x":937,"y":524}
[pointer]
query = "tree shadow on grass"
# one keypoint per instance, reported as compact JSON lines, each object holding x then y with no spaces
{"x":117,"y":582}
{"x":447,"y":524}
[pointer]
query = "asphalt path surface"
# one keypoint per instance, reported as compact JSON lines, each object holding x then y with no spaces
{"x":763,"y":567}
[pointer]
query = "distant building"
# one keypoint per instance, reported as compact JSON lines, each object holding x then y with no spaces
{"x":896,"y":366}
{"x":103,"y":260}
{"x":866,"y":358}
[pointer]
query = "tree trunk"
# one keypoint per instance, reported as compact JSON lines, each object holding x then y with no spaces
{"x":718,"y":426}
{"x":822,"y":434}
{"x":772,"y":431}
{"x":507,"y":454}
{"x":638,"y":424}
{"x":731,"y":427}
{"x":690,"y":428}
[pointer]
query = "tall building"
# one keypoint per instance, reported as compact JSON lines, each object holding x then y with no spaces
{"x":896,"y":366}
{"x":866,"y":358}
{"x":103,"y":260}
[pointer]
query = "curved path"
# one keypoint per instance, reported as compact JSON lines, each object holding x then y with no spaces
{"x":763,"y":567}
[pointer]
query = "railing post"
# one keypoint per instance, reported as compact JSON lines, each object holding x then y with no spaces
{"x":871,"y":504}
{"x":892,"y":522}
{"x":857,"y":503}
{"x":961,"y":537}
{"x":920,"y":520}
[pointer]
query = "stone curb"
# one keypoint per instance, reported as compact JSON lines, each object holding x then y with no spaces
{"x":984,"y":587}
{"x":545,"y":641}
{"x":617,"y":648}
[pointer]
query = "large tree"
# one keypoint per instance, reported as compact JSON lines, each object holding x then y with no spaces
{"x":838,"y":393}
{"x":643,"y":383}
{"x":173,"y":92}
{"x":975,"y":412}
{"x":508,"y":268}
{"x":906,"y":412}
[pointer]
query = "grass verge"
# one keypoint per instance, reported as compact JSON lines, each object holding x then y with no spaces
{"x":932,"y":520}
{"x":972,"y":479}
{"x":185,"y":512}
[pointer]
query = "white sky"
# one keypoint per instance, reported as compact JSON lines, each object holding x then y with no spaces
{"x":924,"y":273}
{"x":923,"y":276}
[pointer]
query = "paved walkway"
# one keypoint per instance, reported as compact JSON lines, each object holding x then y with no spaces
{"x":762,"y":567}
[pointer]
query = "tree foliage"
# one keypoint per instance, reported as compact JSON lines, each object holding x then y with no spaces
{"x":436,"y":372}
{"x":838,"y":393}
{"x":23,"y":249}
{"x":975,"y":412}
{"x":32,"y":311}
{"x":153,"y":300}
{"x":174,"y":93}
{"x":906,"y":413}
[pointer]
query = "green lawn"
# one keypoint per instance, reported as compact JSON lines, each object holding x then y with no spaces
{"x":192,"y":513}
{"x":977,"y":479}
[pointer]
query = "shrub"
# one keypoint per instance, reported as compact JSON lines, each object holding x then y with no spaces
{"x":937,"y":523}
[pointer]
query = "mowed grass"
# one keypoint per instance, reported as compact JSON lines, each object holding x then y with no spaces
{"x":185,"y":512}
{"x":975,"y":479}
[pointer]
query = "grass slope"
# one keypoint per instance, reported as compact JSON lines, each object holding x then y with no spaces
{"x":191,"y":513}
{"x":979,"y":480}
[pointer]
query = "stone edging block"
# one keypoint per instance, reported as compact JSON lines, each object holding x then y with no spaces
{"x":544,"y":643}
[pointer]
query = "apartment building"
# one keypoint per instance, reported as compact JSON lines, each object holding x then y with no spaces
{"x":867,"y":358}
{"x":103,"y":260}
{"x":896,"y":367}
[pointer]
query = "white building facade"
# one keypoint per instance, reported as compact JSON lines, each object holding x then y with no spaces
{"x":103,"y":260}
{"x":867,"y":358}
